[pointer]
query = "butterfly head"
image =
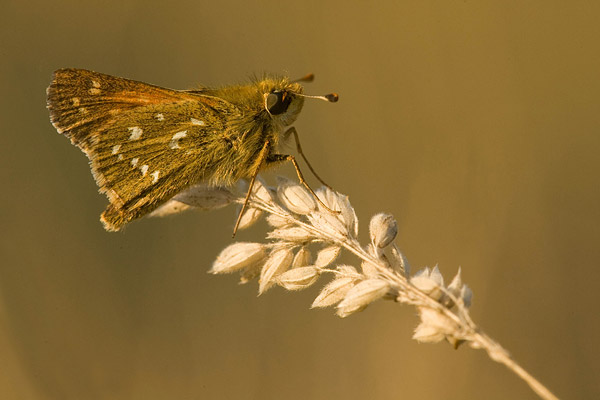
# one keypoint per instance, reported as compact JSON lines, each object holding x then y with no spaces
{"x":283,"y":99}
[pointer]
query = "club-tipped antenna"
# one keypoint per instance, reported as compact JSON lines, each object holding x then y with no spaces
{"x":331,"y":97}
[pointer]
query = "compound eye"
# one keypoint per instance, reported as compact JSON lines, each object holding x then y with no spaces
{"x":277,"y":102}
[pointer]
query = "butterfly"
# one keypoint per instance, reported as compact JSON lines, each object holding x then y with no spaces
{"x":146,"y":144}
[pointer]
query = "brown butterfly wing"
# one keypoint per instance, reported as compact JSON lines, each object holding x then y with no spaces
{"x":145,"y":143}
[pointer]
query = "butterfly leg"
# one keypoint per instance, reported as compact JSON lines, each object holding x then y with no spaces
{"x":262,"y":157}
{"x":292,"y":130}
{"x":275,"y":158}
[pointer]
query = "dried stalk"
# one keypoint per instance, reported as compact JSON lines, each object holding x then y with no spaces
{"x":299,"y":221}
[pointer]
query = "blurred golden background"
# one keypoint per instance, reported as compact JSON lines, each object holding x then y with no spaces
{"x":476,"y":123}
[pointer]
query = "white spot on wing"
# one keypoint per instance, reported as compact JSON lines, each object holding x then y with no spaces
{"x":134,"y":161}
{"x":197,"y":122}
{"x":160,"y":117}
{"x":116,"y":148}
{"x":155,"y":175}
{"x":144,"y":169}
{"x":120,"y":157}
{"x":83,"y":110}
{"x":179,"y":135}
{"x":174,"y":143}
{"x":94,"y":91}
{"x":136,"y":133}
{"x":75,"y":101}
{"x":95,"y":84}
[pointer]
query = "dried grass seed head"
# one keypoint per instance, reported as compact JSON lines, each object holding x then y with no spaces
{"x":238,"y":256}
{"x":295,"y":197}
{"x":383,"y":230}
{"x":278,"y":262}
{"x":299,"y":278}
{"x":361,"y":295}
{"x":430,"y":282}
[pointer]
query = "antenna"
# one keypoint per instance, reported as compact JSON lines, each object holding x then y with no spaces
{"x":306,"y":78}
{"x":331,"y":97}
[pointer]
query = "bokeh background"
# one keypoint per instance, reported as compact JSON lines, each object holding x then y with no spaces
{"x":476,"y":123}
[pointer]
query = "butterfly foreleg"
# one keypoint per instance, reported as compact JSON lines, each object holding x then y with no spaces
{"x":262,"y":158}
{"x":293,"y":131}
{"x":277,"y":158}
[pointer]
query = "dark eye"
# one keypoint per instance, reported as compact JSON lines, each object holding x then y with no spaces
{"x":278,"y":102}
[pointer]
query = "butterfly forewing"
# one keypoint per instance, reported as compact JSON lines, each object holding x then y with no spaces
{"x":145,"y":143}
